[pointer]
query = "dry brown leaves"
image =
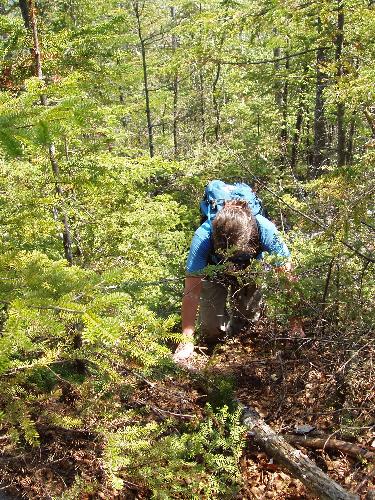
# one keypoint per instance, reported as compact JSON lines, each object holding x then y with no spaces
{"x":290,"y":383}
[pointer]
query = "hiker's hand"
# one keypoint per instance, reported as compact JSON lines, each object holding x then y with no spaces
{"x":296,"y":327}
{"x":183,"y":352}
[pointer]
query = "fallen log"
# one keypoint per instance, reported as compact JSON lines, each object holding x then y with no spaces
{"x":328,"y":443}
{"x":298,"y":464}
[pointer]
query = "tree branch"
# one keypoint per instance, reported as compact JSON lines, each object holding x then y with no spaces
{"x":268,"y":61}
{"x":327,"y":443}
{"x":298,"y":464}
{"x":57,"y":309}
{"x":311,"y":219}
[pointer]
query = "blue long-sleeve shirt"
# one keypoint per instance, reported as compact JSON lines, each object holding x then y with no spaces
{"x":201,"y":246}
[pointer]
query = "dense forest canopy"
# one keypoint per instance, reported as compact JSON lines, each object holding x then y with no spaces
{"x":114,"y":116}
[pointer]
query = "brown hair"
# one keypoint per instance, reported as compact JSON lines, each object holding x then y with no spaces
{"x":235,"y":228}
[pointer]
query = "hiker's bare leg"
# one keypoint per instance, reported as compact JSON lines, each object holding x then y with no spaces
{"x":246,"y":306}
{"x":213,"y":313}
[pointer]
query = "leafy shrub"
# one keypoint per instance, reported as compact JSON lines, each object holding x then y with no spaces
{"x":202,"y":462}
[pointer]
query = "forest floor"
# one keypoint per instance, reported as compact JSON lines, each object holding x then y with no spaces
{"x":289,"y":382}
{"x":296,"y":382}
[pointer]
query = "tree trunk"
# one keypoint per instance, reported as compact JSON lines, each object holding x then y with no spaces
{"x":341,"y":141}
{"x":308,"y":143}
{"x":175,"y":91}
{"x":278,"y":86}
{"x":202,"y":105}
{"x":281,"y":98}
{"x":320,"y":135}
{"x":297,"y":132}
{"x":326,"y":291}
{"x":371,"y":121}
{"x":284,"y":123}
{"x":66,"y":236}
{"x":201,"y":96}
{"x":278,"y":89}
{"x":25,"y":12}
{"x":326,"y":442}
{"x":145,"y":78}
{"x":298,"y":464}
{"x":350,"y":142}
{"x":32,"y":24}
{"x":175,"y":115}
{"x":216,"y":102}
{"x":36,"y":48}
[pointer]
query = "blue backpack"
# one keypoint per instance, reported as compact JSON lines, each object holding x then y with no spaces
{"x":218,"y":192}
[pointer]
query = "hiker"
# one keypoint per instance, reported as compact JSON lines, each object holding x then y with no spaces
{"x":233,"y":232}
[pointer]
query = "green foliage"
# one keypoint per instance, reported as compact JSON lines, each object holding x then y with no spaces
{"x":201,"y":462}
{"x":233,"y":94}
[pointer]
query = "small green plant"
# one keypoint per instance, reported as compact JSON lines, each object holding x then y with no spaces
{"x":202,"y":462}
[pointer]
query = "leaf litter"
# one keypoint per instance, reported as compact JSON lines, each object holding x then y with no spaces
{"x":292,"y":383}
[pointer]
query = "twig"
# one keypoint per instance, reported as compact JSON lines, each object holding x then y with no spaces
{"x":312,"y":219}
{"x":31,"y":365}
{"x":131,"y":485}
{"x":142,"y":283}
{"x":57,"y":309}
{"x":268,"y":61}
{"x":137,"y":375}
{"x":161,"y":411}
{"x":184,"y":415}
{"x":57,"y":375}
{"x":326,"y":287}
{"x":354,"y":355}
{"x":326,"y":442}
{"x":367,"y":479}
{"x":367,"y":225}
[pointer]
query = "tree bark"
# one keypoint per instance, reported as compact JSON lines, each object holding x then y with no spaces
{"x":320,"y":134}
{"x":202,"y":105}
{"x":298,"y":464}
{"x":371,"y":121}
{"x":341,"y":141}
{"x":327,"y":443}
{"x":350,"y":142}
{"x":145,"y":78}
{"x":66,"y":235}
{"x":278,"y":86}
{"x":201,"y":96}
{"x":284,"y":110}
{"x":32,"y":25}
{"x":175,"y":115}
{"x":175,"y":91}
{"x":326,"y":286}
{"x":296,"y":137}
{"x":308,"y":147}
{"x":297,"y":128}
{"x":281,"y":98}
{"x":23,"y":4}
{"x":36,"y":48}
{"x":216,"y":102}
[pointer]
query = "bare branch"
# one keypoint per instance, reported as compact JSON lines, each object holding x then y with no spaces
{"x":312,"y":219}
{"x":57,"y":309}
{"x":267,"y":61}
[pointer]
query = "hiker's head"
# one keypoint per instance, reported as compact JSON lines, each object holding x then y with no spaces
{"x":235,"y":230}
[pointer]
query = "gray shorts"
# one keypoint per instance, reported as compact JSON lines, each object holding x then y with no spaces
{"x":226,"y":310}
